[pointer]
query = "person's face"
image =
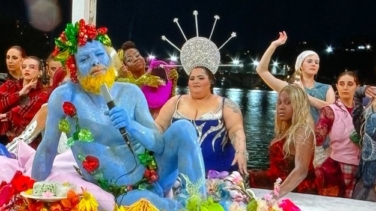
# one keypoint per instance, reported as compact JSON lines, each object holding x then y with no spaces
{"x":284,"y":107}
{"x":13,"y":60}
{"x":134,"y":61}
{"x":346,"y":86}
{"x":199,"y":81}
{"x":30,"y":69}
{"x":311,"y":64}
{"x":53,"y":66}
{"x":92,"y":59}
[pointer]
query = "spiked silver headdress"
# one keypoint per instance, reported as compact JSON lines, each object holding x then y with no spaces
{"x":200,"y":51}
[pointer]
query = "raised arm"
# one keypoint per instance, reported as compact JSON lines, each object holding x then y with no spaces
{"x":47,"y":149}
{"x":263,"y":67}
{"x":304,"y":146}
{"x":234,"y":124}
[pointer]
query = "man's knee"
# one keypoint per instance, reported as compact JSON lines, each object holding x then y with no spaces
{"x":183,"y":129}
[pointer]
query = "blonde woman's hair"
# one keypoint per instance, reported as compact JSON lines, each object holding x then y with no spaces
{"x":301,"y":118}
{"x":368,"y":110}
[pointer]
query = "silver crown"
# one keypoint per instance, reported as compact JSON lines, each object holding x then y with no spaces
{"x":200,"y":51}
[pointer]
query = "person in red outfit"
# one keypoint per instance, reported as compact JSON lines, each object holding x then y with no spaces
{"x":14,"y":57}
{"x":20,"y":101}
{"x":335,"y":176}
{"x":291,"y":151}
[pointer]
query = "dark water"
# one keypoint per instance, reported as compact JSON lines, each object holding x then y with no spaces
{"x":258,"y":108}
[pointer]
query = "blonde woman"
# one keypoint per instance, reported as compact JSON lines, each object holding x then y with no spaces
{"x":306,"y":67}
{"x":291,"y":151}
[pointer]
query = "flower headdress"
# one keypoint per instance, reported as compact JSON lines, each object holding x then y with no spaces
{"x":200,"y":51}
{"x":73,"y":36}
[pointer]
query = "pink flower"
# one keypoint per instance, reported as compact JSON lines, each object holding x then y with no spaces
{"x":236,"y":195}
{"x":235,"y":178}
{"x":268,"y":197}
{"x":47,"y":194}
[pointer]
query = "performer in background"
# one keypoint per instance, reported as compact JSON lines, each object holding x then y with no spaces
{"x":157,"y":82}
{"x":306,"y":68}
{"x":21,"y":100}
{"x":335,"y":176}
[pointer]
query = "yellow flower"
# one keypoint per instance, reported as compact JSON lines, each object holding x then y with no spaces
{"x":88,"y":202}
{"x":276,"y":208}
{"x":29,"y":192}
{"x":119,"y":208}
{"x":236,"y":207}
{"x":141,"y":204}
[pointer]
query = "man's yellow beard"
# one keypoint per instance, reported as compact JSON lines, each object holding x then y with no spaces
{"x":92,"y":84}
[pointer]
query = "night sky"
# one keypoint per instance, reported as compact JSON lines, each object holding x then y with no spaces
{"x":257,"y":23}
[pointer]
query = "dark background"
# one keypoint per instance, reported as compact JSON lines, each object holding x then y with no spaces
{"x":343,"y":24}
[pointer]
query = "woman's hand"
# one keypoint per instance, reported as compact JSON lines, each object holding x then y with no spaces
{"x":370,"y":91}
{"x":281,"y":40}
{"x":3,"y":117}
{"x":124,"y":71}
{"x":27,"y":87}
{"x":241,"y":159}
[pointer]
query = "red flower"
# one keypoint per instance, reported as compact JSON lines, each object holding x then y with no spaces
{"x":69,"y":109}
{"x":288,"y":205}
{"x":90,"y":163}
{"x":6,"y":193}
{"x":21,"y":183}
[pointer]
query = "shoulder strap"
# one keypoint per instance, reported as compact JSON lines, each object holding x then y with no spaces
{"x":177,"y":102}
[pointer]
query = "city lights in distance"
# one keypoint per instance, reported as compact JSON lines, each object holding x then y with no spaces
{"x":329,"y":49}
{"x":174,"y":58}
{"x":151,"y":57}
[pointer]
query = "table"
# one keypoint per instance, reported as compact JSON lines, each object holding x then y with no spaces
{"x":308,"y":202}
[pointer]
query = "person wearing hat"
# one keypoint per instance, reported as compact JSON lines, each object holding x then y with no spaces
{"x":218,"y":120}
{"x":306,"y":67}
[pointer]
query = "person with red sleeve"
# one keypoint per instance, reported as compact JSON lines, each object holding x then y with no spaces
{"x":19,"y":102}
{"x":335,"y":176}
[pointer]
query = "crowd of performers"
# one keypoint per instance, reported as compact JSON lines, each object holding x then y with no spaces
{"x":324,"y":142}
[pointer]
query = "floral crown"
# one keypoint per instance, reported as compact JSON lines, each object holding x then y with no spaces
{"x":73,"y":36}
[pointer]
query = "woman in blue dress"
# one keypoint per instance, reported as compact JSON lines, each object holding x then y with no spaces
{"x":218,"y":121}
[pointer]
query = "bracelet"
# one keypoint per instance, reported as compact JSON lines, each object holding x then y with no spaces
{"x":245,"y":153}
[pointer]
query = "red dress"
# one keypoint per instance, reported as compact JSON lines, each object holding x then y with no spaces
{"x":281,"y":167}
